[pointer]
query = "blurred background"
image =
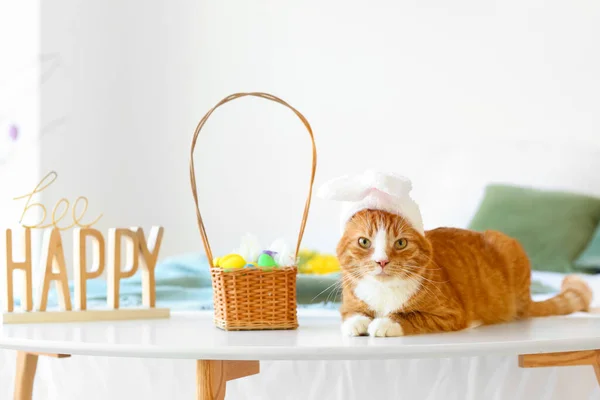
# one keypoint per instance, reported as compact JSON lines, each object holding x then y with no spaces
{"x":456,"y":95}
{"x":453,"y":95}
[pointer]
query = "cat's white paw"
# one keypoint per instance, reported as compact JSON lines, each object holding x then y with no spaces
{"x":355,"y":325}
{"x":385,"y":327}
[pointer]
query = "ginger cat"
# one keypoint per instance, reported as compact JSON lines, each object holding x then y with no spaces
{"x":398,"y":282}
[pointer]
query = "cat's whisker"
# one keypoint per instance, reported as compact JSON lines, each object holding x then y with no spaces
{"x":335,"y":293}
{"x":344,"y":282}
{"x":428,"y":290}
{"x":416,"y":271}
{"x":337,"y":287}
{"x":326,"y":289}
{"x":426,"y":266}
{"x":433,"y":283}
{"x":427,"y":279}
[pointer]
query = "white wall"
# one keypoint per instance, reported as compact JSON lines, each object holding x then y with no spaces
{"x":21,"y":74}
{"x":452,"y":94}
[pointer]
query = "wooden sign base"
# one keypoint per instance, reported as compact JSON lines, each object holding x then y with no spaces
{"x":84,"y":316}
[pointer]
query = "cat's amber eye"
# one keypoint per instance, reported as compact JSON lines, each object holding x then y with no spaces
{"x":400,"y":244}
{"x":364,"y":242}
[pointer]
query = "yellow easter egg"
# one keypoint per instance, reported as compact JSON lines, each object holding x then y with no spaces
{"x":323,"y":264}
{"x":232,"y":261}
{"x":316,"y":264}
{"x":332,"y":264}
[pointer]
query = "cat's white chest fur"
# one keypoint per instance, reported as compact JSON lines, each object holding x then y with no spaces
{"x":385,"y":297}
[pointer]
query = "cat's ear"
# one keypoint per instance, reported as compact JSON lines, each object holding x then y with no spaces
{"x":343,"y":188}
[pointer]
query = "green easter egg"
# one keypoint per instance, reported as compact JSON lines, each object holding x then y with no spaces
{"x":265,"y":260}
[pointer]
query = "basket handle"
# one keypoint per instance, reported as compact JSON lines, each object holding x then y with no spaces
{"x":193,"y":172}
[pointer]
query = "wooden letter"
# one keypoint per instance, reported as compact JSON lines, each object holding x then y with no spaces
{"x":52,"y":175}
{"x":80,"y":262}
{"x":149,"y":252}
{"x":77,"y":219}
{"x":55,"y":270}
{"x":115,"y":273}
{"x":66,"y":209}
{"x":11,"y":266}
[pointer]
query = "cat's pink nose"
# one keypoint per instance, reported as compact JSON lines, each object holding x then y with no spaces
{"x":383,"y":263}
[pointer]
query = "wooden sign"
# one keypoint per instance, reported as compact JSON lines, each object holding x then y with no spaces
{"x":129,"y":243}
{"x":140,"y":253}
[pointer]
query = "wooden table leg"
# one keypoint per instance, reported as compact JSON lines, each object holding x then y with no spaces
{"x":212,"y":376}
{"x":25,"y":374}
{"x":565,"y":359}
{"x":26,"y":366}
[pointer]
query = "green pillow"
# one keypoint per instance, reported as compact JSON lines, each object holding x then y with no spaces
{"x":590,"y":258}
{"x":553,"y":227}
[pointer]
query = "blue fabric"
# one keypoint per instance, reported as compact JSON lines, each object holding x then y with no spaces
{"x":184,"y":283}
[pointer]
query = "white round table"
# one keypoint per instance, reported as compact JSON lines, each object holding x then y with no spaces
{"x":223,"y":356}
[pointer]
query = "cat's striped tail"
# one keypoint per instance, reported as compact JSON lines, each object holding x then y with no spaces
{"x":575,"y":295}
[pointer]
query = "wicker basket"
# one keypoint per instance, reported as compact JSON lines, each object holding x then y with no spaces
{"x":253,"y":299}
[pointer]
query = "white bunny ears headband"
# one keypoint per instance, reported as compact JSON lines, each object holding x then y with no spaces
{"x":374,"y":191}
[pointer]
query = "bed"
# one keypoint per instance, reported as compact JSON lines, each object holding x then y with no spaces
{"x":486,"y":377}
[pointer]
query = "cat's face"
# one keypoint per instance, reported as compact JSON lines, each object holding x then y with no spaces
{"x":381,"y":245}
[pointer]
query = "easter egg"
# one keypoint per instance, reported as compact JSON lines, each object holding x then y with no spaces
{"x":250,"y":266}
{"x":232,"y":261}
{"x":265,"y":260}
{"x":316,"y":264}
{"x":332,"y":264}
{"x":322,"y":264}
